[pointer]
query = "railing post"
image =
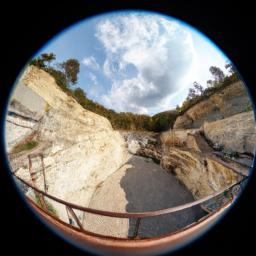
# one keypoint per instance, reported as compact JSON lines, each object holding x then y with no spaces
{"x":137,"y":216}
{"x":136,"y":230}
{"x":75,"y":217}
{"x":42,"y":163}
{"x":32,"y":175}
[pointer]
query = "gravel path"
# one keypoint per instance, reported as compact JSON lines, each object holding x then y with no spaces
{"x":140,"y":185}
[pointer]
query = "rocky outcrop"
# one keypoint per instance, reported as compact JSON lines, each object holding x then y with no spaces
{"x":143,"y":144}
{"x":231,"y":100}
{"x":201,"y":174}
{"x":177,"y":138}
{"x":212,"y":145}
{"x":236,"y":133}
{"x":188,"y":155}
{"x":82,"y":148}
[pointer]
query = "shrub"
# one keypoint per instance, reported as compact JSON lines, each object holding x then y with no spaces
{"x":49,"y":206}
{"x":27,"y":145}
{"x":59,"y":77}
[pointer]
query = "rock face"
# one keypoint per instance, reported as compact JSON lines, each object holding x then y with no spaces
{"x":178,"y":138}
{"x":236,"y":133}
{"x":231,"y":100}
{"x":80,"y":148}
{"x":145,"y":144}
{"x":199,"y":173}
{"x":195,"y":148}
{"x":188,"y":154}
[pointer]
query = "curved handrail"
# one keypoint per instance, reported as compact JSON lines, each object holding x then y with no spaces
{"x":131,"y":214}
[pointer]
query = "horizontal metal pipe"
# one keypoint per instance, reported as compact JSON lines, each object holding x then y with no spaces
{"x":130,"y":214}
{"x":127,"y":239}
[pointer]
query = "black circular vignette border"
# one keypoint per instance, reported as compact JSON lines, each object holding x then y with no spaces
{"x":27,"y":27}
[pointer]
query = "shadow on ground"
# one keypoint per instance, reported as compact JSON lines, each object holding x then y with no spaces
{"x":148,"y":187}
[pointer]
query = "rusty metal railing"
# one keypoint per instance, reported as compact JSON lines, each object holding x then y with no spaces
{"x":70,"y":207}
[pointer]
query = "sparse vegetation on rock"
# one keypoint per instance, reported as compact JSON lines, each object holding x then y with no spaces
{"x":25,"y":146}
{"x":66,"y":75}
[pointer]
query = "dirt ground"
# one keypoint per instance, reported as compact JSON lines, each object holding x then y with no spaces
{"x":140,"y":185}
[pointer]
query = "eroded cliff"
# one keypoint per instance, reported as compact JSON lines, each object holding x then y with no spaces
{"x":230,"y":101}
{"x":80,"y":149}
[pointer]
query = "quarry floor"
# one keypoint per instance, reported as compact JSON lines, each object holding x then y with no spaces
{"x":140,"y":185}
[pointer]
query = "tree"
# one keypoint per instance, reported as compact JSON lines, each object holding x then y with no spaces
{"x":230,"y":67}
{"x":178,"y":108}
{"x":59,"y":77}
{"x":44,"y":57}
{"x":38,"y":62}
{"x":198,"y":87}
{"x":217,"y":74}
{"x":80,"y":95}
{"x":48,"y":57}
{"x":71,"y":68}
{"x":192,"y":93}
{"x":210,"y":83}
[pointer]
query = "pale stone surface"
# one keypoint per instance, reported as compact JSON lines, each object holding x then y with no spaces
{"x":177,"y":138}
{"x":20,"y":121}
{"x":231,"y":100}
{"x":187,"y":154}
{"x":83,"y":149}
{"x":30,"y":99}
{"x":133,"y":146}
{"x":201,"y":175}
{"x":44,"y":85}
{"x":15,"y":133}
{"x":236,"y":133}
{"x":143,"y":143}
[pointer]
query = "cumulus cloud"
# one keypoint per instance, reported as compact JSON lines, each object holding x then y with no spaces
{"x":161,"y":51}
{"x":91,"y":62}
{"x":95,"y":87}
{"x":93,"y":78}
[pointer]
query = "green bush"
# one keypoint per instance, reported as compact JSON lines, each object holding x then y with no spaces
{"x":59,"y":77}
{"x":49,"y":206}
{"x":28,"y":145}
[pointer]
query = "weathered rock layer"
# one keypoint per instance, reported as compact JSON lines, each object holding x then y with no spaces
{"x":82,"y":148}
{"x":231,"y":100}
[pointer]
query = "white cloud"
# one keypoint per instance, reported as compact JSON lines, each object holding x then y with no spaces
{"x":106,"y":69}
{"x":160,"y":50}
{"x":95,"y":89}
{"x":91,"y":62}
{"x":93,"y":78}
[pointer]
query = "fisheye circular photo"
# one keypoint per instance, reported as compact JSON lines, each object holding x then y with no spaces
{"x":130,"y":133}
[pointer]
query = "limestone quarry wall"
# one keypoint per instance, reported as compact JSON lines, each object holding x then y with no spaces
{"x":230,"y":101}
{"x":184,"y":154}
{"x":30,"y":100}
{"x":82,"y":148}
{"x":187,"y":152}
{"x":237,"y":132}
{"x":24,"y":111}
{"x":200,"y":174}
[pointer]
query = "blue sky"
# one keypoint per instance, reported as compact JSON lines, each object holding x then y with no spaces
{"x":137,"y":61}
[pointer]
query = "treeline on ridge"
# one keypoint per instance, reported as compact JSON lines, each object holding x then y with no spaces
{"x":65,"y":75}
